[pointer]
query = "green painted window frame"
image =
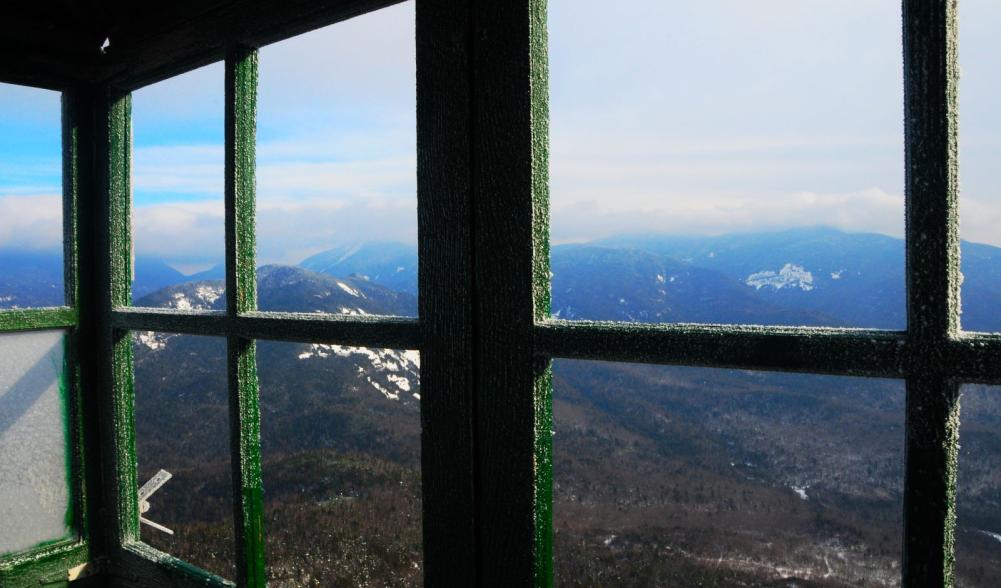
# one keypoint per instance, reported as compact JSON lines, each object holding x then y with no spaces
{"x":241,"y":324}
{"x":50,"y":562}
{"x":484,"y":331}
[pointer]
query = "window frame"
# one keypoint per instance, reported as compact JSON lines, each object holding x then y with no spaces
{"x":241,"y":324}
{"x":60,"y":558}
{"x":484,"y":331}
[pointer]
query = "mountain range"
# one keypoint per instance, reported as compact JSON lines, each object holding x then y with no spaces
{"x":811,"y":276}
{"x":663,"y":476}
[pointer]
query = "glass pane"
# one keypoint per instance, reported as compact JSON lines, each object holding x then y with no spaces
{"x":340,"y":436}
{"x":337,"y":165}
{"x":177,"y":183}
{"x":34,"y":447}
{"x":980,"y":156}
{"x":182,"y":428}
{"x":31,"y":203}
{"x":688,"y":477}
{"x":978,"y":493}
{"x":742,"y":165}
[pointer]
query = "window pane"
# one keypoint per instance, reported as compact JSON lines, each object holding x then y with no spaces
{"x":978,"y":494}
{"x":727,"y":161}
{"x":182,"y":427}
{"x":34,"y":447}
{"x":177,"y":184}
{"x":687,"y":476}
{"x":980,"y":156}
{"x":31,"y":204}
{"x":340,"y":436}
{"x":336,"y":164}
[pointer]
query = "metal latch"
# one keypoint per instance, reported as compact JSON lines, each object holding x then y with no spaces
{"x":154,"y":484}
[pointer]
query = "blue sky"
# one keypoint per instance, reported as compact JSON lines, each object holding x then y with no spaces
{"x":704,"y":117}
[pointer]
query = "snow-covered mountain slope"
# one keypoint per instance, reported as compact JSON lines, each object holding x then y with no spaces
{"x":392,"y":375}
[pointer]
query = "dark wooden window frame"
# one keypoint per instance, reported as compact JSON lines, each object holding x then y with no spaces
{"x":484,"y":332}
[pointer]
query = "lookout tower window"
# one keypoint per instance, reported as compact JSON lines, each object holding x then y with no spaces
{"x":478,"y":330}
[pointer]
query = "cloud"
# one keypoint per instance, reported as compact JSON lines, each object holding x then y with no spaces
{"x":364,"y":68}
{"x":685,"y":117}
{"x":180,"y":232}
{"x":865,"y":210}
{"x":610,"y":180}
{"x":311,"y":195}
{"x":195,"y":95}
{"x":708,"y":117}
{"x":31,"y":222}
{"x":979,"y":219}
{"x":29,"y":107}
{"x":192,"y":170}
{"x":288,"y":230}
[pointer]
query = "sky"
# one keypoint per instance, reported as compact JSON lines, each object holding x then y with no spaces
{"x":677,"y":117}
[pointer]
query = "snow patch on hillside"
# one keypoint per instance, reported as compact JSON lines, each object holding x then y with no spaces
{"x":790,"y":276}
{"x":349,"y":290}
{"x":390,"y":371}
{"x":401,"y":382}
{"x":208,"y":294}
{"x":152,"y":340}
{"x":201,"y":298}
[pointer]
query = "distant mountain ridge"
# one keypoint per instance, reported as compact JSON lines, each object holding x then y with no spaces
{"x":31,"y":278}
{"x":290,"y":289}
{"x":600,"y":283}
{"x":393,"y":265}
{"x":806,"y":276}
{"x":855,"y":279}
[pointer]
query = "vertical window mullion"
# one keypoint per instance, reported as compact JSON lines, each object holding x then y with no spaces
{"x":71,"y":160}
{"x":511,"y":271}
{"x":83,"y":131}
{"x":114,"y":284}
{"x":930,"y":114}
{"x":241,"y":297}
{"x":445,"y":292}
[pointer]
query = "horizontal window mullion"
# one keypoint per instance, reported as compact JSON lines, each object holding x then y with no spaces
{"x":51,"y":562}
{"x":30,"y":319}
{"x":140,"y":561}
{"x":975,"y":358}
{"x":368,"y":331}
{"x":813,"y":350}
{"x":170,"y":321}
